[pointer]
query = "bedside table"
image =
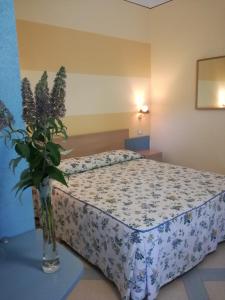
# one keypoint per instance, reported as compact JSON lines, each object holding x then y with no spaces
{"x":151,"y":154}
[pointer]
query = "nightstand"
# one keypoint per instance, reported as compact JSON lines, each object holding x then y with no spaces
{"x":137,"y":143}
{"x":151,"y":154}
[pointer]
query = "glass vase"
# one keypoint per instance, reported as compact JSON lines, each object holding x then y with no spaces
{"x":50,"y":262}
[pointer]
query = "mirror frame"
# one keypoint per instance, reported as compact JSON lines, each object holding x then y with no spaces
{"x":196,"y":94}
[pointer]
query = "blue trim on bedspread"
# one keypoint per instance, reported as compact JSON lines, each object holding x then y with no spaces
{"x":136,"y":229}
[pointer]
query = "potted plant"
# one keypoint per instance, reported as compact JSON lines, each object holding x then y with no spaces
{"x":42,"y":113}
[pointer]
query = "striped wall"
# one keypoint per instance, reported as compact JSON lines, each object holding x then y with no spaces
{"x":107,"y":79}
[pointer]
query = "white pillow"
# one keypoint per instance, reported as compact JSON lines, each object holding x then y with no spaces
{"x":85,"y":163}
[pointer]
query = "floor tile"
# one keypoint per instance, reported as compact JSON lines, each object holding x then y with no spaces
{"x":215,"y":289}
{"x":94,"y":290}
{"x":173,"y":291}
{"x":215,"y":259}
{"x":94,"y":286}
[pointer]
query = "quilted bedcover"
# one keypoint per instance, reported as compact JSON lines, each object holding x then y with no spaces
{"x":143,"y":223}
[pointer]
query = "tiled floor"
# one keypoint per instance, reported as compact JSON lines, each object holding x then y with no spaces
{"x":205,"y":282}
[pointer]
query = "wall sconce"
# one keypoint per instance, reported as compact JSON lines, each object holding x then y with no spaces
{"x":143,"y":110}
{"x":221,"y":98}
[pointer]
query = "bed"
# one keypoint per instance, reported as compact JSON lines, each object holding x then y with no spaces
{"x":142,"y":222}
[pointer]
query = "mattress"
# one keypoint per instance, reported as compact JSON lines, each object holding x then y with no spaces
{"x":142,"y":222}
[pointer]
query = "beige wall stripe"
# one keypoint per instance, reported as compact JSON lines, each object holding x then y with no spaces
{"x":43,"y":47}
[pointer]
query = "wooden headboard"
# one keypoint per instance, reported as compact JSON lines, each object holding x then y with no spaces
{"x":91,"y":143}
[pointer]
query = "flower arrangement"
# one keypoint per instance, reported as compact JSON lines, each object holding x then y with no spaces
{"x":42,"y":113}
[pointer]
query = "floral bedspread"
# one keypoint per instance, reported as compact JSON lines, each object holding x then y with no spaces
{"x":142,"y":222}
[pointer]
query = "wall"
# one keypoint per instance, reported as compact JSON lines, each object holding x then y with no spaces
{"x":181,"y":32}
{"x":104,"y":47}
{"x":15,"y":216}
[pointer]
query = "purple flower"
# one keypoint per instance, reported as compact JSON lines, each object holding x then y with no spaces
{"x":29,"y":109}
{"x":42,"y":100}
{"x":6,"y":117}
{"x":57,"y":99}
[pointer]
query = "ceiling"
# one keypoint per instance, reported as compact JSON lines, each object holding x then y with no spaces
{"x":148,"y":3}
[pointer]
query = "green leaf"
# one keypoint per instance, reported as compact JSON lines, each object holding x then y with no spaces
{"x":23,"y":184}
{"x":25,"y":174}
{"x":15,"y":141}
{"x":36,"y":161}
{"x":54,"y":153}
{"x":64,"y":133}
{"x":56,"y":174}
{"x":52,"y":124}
{"x":37,"y":177}
{"x":38,"y":135}
{"x":14,"y":163}
{"x":23,"y":150}
{"x":60,"y":123}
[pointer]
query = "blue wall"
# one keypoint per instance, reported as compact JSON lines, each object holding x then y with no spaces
{"x":15,"y":217}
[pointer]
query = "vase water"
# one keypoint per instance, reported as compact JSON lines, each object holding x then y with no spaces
{"x":50,"y":262}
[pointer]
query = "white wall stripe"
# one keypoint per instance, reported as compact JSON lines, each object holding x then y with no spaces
{"x":94,"y":94}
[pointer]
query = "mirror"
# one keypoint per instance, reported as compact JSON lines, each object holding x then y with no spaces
{"x":210,"y":86}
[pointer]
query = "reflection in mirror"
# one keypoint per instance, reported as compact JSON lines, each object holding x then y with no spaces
{"x":210,"y":90}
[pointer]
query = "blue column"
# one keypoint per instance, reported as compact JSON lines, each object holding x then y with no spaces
{"x":15,"y":216}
